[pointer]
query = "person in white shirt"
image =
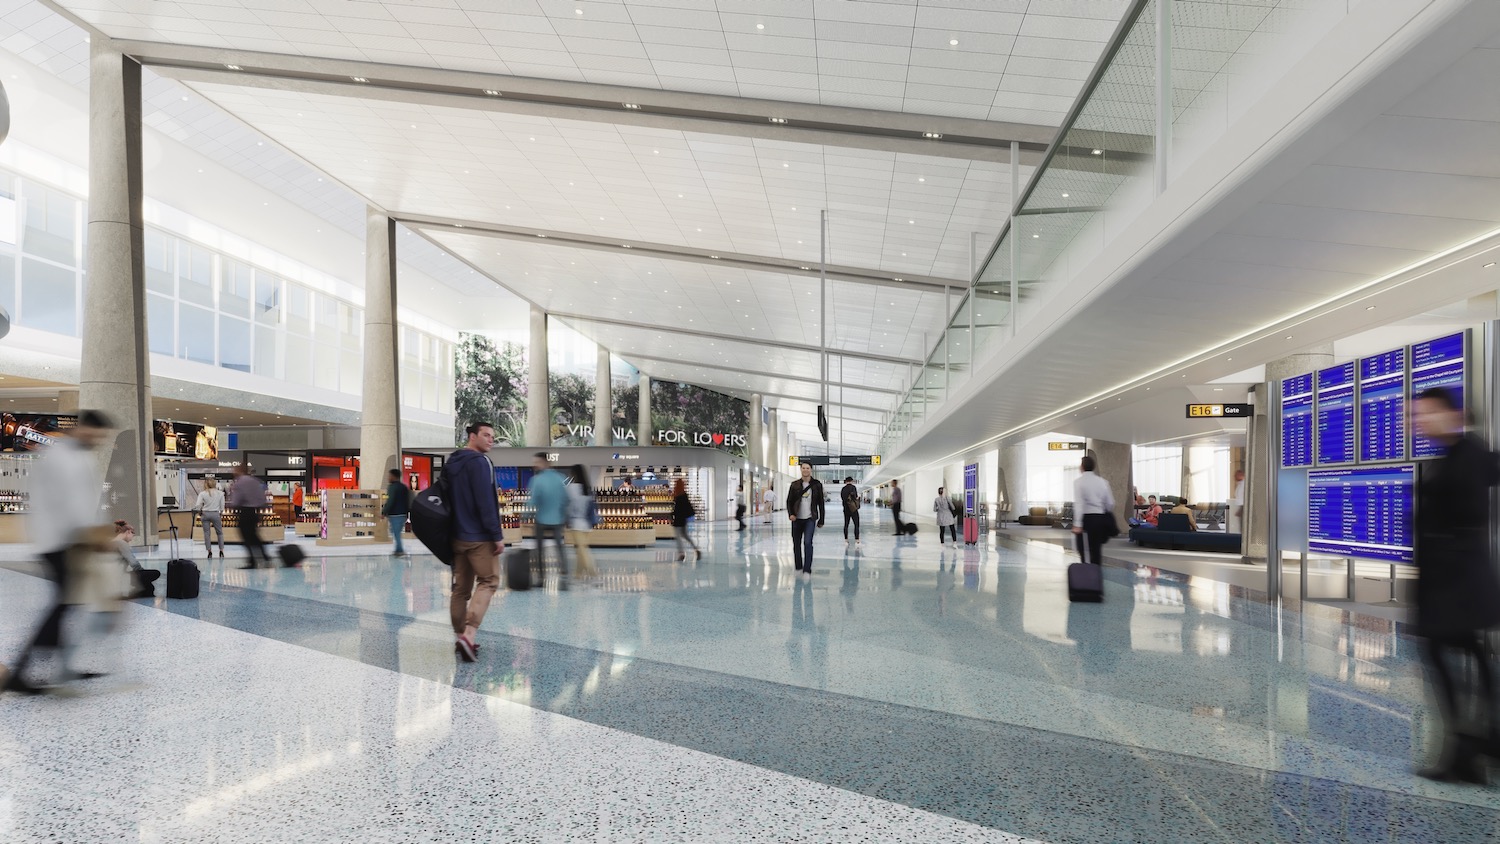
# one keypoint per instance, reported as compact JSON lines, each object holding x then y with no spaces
{"x":769,"y":500}
{"x":65,"y":520}
{"x":210,"y":507}
{"x":1237,"y":503}
{"x":1092,"y":505}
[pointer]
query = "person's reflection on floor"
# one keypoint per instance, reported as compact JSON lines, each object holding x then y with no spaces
{"x":803,"y":621}
{"x":1102,"y":631}
{"x":851,"y":579}
{"x":946,"y":577}
{"x":896,"y":567}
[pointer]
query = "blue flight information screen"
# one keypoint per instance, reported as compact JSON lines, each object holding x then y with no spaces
{"x":1336,"y":415}
{"x":1436,"y":363}
{"x":1297,"y":422}
{"x":1362,"y":512}
{"x":1382,"y":407}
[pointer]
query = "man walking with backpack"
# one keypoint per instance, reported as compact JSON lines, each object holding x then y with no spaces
{"x":850,"y":496}
{"x":477,"y":538}
{"x":397,"y":508}
{"x":896,"y":505}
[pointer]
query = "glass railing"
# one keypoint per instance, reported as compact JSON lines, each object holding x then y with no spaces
{"x":1102,"y":168}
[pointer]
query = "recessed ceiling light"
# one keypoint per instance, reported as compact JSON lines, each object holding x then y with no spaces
{"x":777,"y":119}
{"x":232,"y":66}
{"x":952,"y":42}
{"x":1098,"y":152}
{"x":1490,"y":264}
{"x":1036,"y":235}
{"x":1370,"y":308}
{"x":935,"y":136}
{"x":577,"y":11}
{"x":1289,"y":337}
{"x":632,"y":106}
{"x":491,"y":92}
{"x":760,"y":26}
{"x":1065,"y":195}
{"x":359,"y":79}
{"x":911,"y":222}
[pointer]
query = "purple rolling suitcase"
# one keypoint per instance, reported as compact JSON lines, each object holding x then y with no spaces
{"x":1085,"y":583}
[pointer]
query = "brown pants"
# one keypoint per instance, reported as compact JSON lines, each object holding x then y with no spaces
{"x":580,"y":542}
{"x":473,"y":562}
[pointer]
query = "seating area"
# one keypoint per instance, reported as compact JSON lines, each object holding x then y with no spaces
{"x":1174,"y":533}
{"x":1042,"y":516}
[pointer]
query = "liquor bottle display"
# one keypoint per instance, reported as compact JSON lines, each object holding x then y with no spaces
{"x":622,"y":517}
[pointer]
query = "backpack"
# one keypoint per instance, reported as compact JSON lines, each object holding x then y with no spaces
{"x":432,"y":520}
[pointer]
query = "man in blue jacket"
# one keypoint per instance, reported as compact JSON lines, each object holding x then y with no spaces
{"x":549,"y":497}
{"x":477,"y":538}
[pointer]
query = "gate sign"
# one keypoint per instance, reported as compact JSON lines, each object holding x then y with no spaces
{"x":834,"y":460}
{"x":971,"y":489}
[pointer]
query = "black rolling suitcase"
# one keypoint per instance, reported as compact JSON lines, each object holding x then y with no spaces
{"x":910,"y":529}
{"x":182,"y":574}
{"x":1085,"y":583}
{"x":291,"y":555}
{"x":517,"y":563}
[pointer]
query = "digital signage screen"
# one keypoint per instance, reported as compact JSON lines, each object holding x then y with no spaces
{"x":1362,"y":512}
{"x":1382,"y":407}
{"x":1297,"y":422}
{"x":1437,"y":363}
{"x":1335,"y":405}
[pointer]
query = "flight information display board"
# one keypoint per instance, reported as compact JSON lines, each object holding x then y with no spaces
{"x":1297,"y":422}
{"x":1437,"y":363}
{"x":1362,"y":512}
{"x":1336,"y":415}
{"x":1382,"y":407}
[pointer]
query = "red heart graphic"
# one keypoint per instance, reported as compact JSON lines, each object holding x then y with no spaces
{"x":718,"y":439}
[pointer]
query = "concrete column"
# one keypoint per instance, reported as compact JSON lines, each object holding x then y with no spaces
{"x":380,"y":404}
{"x":115,"y":370}
{"x":774,"y":457}
{"x":1113,"y":465}
{"x":604,"y":416}
{"x":538,"y":386}
{"x":788,"y":447}
{"x":753,"y":453}
{"x":1258,"y":484}
{"x":1010,"y":498}
{"x":643,"y":434}
{"x":67,"y":402}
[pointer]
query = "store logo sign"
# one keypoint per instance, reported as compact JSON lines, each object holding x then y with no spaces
{"x":295,"y":460}
{"x":619,"y":456}
{"x":586,"y":432}
{"x":707,"y":439}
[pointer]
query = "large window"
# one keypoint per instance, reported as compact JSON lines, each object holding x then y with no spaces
{"x":201,"y":305}
{"x":51,"y":225}
{"x":1158,"y":469}
{"x":1050,"y":474}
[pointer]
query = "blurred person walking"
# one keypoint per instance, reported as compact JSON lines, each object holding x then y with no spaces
{"x":1458,"y":591}
{"x":67,"y":522}
{"x":396,"y":510}
{"x":247,"y":495}
{"x":849,"y":495}
{"x":1093,"y":506}
{"x":738,"y":503}
{"x":478,"y":540}
{"x":582,"y":512}
{"x":682,"y":510}
{"x":805,"y":509}
{"x":210,"y":507}
{"x":549,"y":497}
{"x":896,"y":505}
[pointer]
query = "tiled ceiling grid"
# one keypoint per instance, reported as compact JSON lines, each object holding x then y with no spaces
{"x":621,"y":285}
{"x":51,"y":42}
{"x":1009,"y":60}
{"x":898,"y":213}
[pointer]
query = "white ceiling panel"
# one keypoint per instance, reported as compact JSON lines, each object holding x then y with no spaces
{"x":659,"y":186}
{"x":701,"y":47}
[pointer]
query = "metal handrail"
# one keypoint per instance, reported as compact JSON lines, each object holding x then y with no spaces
{"x":1111,"y":49}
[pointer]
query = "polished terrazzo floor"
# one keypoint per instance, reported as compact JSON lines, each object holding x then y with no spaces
{"x":907,"y":692}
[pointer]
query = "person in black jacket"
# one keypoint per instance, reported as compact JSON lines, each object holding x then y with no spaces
{"x":1458,"y":591}
{"x":804,"y":506}
{"x":397,"y":508}
{"x":849,"y":495}
{"x":682,"y":510}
